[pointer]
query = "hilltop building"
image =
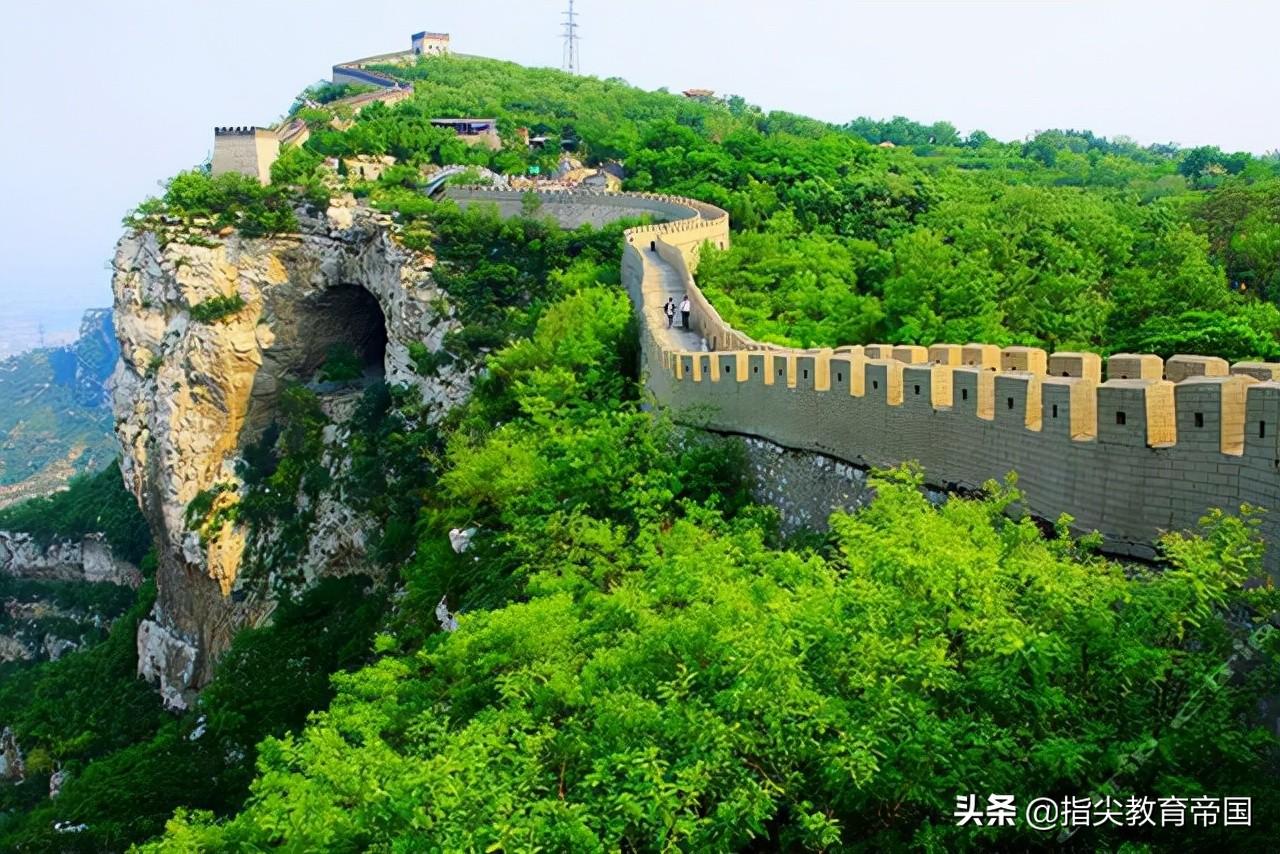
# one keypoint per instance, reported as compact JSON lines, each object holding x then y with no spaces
{"x":700,"y":94}
{"x":429,"y":44}
{"x":247,"y":150}
{"x":483,"y":132}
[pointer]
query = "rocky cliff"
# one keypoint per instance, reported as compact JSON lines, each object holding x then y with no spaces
{"x":90,"y":559}
{"x":44,"y":610}
{"x":213,"y":327}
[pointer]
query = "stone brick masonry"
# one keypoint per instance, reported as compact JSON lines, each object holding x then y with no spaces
{"x":1150,"y":449}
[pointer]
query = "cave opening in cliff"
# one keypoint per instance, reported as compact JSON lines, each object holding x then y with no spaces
{"x":345,"y":337}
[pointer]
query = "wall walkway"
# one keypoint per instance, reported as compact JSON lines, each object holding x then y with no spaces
{"x":1149,"y":450}
{"x":354,"y":71}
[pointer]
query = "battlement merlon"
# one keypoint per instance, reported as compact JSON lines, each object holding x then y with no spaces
{"x":248,"y":130}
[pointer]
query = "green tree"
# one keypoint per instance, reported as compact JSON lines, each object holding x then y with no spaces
{"x":1258,"y":242}
{"x":695,"y":688}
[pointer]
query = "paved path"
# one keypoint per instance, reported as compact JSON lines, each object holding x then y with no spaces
{"x":669,"y":285}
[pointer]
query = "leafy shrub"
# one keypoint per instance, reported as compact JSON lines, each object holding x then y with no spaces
{"x":109,"y":600}
{"x":1231,"y":336}
{"x":298,"y":168}
{"x":325,"y":92}
{"x":230,"y":199}
{"x":279,"y":470}
{"x":427,"y":362}
{"x":201,"y":516}
{"x":216,"y":308}
{"x":295,"y":165}
{"x":86,"y":703}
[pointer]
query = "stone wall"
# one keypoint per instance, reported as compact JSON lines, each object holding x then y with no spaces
{"x":247,"y":150}
{"x":1102,"y":453}
{"x":360,"y":77}
{"x":572,"y":208}
{"x":354,"y":71}
{"x":1150,"y":449}
{"x":389,"y":97}
{"x":1131,"y":457}
{"x":805,"y":487}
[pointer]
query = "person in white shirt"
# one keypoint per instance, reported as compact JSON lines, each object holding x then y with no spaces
{"x":685,"y":308}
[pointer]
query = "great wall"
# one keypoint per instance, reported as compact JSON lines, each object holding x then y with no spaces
{"x":251,"y":150}
{"x":1151,"y":449}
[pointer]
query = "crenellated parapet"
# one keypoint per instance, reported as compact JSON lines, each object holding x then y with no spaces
{"x":1127,"y":457}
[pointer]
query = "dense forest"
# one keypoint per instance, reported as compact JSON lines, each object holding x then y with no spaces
{"x":643,"y":661}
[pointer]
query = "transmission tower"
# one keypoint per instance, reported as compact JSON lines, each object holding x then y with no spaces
{"x":570,"y":25}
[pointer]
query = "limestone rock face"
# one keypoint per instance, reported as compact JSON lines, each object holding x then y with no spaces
{"x":56,"y":647}
{"x":89,"y":559}
{"x":12,"y":766}
{"x":56,"y":781}
{"x":212,"y":327}
{"x":166,"y":659}
{"x":13,"y":649}
{"x":26,"y":635}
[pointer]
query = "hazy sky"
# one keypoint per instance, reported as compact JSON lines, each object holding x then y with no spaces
{"x":103,"y":99}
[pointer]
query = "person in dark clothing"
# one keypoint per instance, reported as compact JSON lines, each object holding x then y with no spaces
{"x":685,"y":307}
{"x":670,"y":311}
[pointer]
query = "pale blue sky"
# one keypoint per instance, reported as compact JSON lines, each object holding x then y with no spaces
{"x":103,"y":99}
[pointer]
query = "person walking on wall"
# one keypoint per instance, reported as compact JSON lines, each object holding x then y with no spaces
{"x":670,"y":311}
{"x":685,"y":307}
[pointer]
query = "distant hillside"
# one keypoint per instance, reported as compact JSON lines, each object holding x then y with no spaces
{"x":55,"y":419}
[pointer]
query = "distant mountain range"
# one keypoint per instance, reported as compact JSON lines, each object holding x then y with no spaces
{"x":55,"y":415}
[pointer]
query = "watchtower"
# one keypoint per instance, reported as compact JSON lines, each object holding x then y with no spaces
{"x":247,"y":150}
{"x":429,"y":44}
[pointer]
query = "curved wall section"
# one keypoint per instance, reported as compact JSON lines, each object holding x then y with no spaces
{"x":577,"y":207}
{"x":1149,"y":450}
